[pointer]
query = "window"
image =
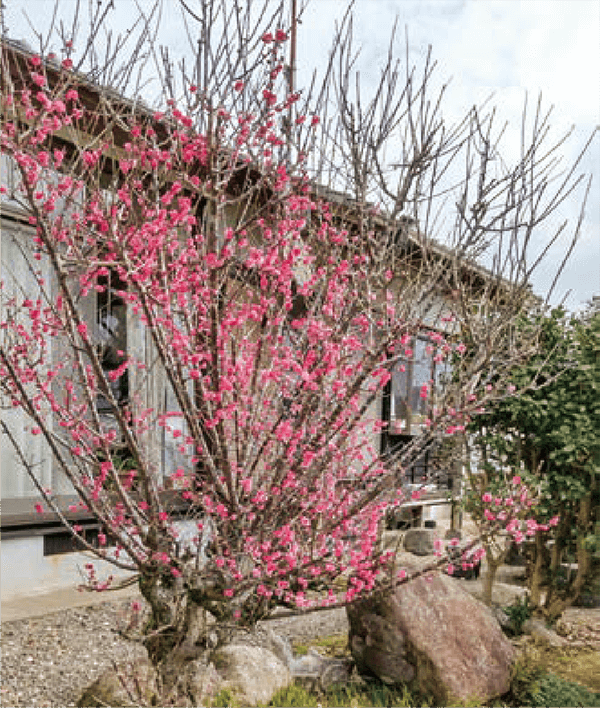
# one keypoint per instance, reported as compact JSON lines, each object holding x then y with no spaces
{"x":111,"y":320}
{"x":408,"y":409}
{"x":407,"y":400}
{"x":64,"y":542}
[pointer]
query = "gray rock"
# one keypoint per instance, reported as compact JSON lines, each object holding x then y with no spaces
{"x":336,"y":672}
{"x":265,"y":637}
{"x":309,"y":664}
{"x":313,"y":670}
{"x":538,"y":630}
{"x":126,"y":686}
{"x":203,"y":682}
{"x":453,"y":534}
{"x":280,"y":646}
{"x":252,"y":673}
{"x":433,"y":635}
{"x":381,"y":652}
{"x":419,"y":541}
{"x":501,"y":617}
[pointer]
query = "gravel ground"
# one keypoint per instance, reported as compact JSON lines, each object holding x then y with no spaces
{"x":48,"y":661}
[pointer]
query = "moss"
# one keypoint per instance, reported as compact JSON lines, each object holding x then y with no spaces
{"x":335,"y":645}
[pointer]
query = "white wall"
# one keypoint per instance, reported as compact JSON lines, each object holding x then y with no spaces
{"x":19,"y":282}
{"x":440,"y":513}
{"x":26,"y":571}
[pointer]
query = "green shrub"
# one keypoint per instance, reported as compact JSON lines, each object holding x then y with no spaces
{"x":553,"y":691}
{"x":518,"y":613}
{"x":526,"y":672}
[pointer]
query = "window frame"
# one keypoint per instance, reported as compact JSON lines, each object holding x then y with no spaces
{"x":394,"y":438}
{"x":107,"y":303}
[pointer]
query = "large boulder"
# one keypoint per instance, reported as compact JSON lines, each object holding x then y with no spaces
{"x":434,"y":636}
{"x":253,"y":673}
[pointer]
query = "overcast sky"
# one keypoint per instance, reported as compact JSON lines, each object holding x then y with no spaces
{"x":500,"y":47}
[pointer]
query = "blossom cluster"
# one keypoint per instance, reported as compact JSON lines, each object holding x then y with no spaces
{"x":510,"y":512}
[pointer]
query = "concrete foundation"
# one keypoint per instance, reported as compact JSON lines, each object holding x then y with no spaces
{"x":27,"y":572}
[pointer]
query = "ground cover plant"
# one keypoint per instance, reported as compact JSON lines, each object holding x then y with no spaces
{"x":334,"y":645}
{"x":370,"y":694}
{"x":556,"y":676}
{"x":576,"y":664}
{"x":217,"y":412}
{"x":518,"y":613}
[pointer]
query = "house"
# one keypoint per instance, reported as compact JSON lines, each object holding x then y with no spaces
{"x":37,"y":552}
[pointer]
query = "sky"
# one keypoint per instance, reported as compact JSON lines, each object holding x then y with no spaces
{"x":503,"y":49}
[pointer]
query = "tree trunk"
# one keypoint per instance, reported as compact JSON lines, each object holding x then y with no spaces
{"x":536,"y":577}
{"x":493,"y":563}
{"x":562,"y":530}
{"x":488,"y":581}
{"x":557,"y":602}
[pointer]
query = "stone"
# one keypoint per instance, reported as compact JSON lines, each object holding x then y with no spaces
{"x":122,"y":687}
{"x":253,"y":673}
{"x":419,"y":541}
{"x":315,"y":671}
{"x":434,"y":636}
{"x":262,"y":636}
{"x":335,"y":673}
{"x":538,"y":630}
{"x":203,"y":682}
{"x":501,"y":617}
{"x":279,"y":645}
{"x":380,"y":651}
{"x":392,"y":541}
{"x":309,"y":664}
{"x":452,"y":534}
